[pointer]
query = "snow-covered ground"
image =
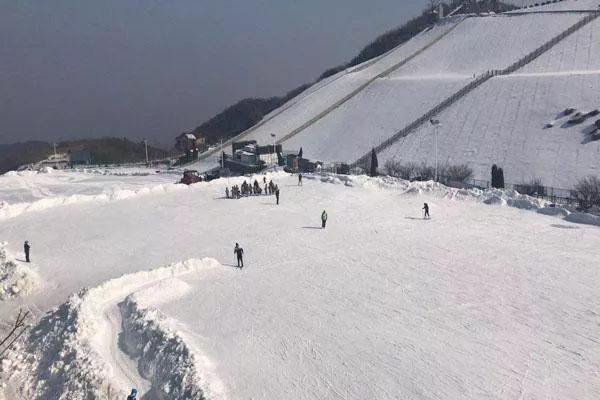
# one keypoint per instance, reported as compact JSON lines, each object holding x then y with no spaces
{"x":32,"y":191}
{"x":502,"y":122}
{"x":487,"y":299}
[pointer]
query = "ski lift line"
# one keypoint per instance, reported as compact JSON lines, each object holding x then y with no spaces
{"x":474,"y":84}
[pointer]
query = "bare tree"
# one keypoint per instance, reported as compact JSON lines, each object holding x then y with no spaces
{"x":17,"y":329}
{"x":460,"y":172}
{"x":587,"y":192}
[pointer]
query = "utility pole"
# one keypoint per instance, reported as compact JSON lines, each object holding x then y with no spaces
{"x":436,"y":124}
{"x":222,"y":152}
{"x":146,"y":146}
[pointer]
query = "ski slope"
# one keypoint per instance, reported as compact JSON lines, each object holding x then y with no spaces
{"x":372,"y":116}
{"x":380,"y":304}
{"x":312,"y":102}
{"x":486,"y":43}
{"x":502,"y":122}
{"x":578,"y":52}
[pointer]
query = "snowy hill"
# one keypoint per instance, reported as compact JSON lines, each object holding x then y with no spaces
{"x":468,"y":304}
{"x":342,"y":118}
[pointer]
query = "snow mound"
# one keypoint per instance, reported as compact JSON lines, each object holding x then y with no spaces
{"x":15,"y":279}
{"x":583,"y":218}
{"x":162,"y":354}
{"x":8,"y":210}
{"x":554,"y":211}
{"x":60,"y":359}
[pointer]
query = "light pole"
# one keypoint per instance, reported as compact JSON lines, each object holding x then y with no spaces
{"x":221,"y":150}
{"x":274,"y":149}
{"x":146,"y":147}
{"x":436,"y":124}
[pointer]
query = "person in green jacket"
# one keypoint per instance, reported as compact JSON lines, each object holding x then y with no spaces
{"x":323,"y":219}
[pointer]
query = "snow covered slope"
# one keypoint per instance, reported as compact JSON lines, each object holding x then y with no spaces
{"x":502,"y":122}
{"x":325,"y":94}
{"x":485,"y":43}
{"x":372,"y":116}
{"x":468,"y":304}
{"x":578,"y":52}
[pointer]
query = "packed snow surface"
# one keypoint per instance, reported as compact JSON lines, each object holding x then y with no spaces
{"x":480,"y":301}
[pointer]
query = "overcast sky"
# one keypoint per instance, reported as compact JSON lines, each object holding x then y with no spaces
{"x":152,"y":69}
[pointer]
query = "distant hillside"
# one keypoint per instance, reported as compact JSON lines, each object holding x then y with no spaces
{"x":102,"y":151}
{"x":247,"y":112}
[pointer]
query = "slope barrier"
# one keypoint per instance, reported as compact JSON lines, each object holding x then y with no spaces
{"x":365,"y":159}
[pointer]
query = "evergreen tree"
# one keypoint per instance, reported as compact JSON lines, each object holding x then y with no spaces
{"x":374,"y":163}
{"x":494,"y":176}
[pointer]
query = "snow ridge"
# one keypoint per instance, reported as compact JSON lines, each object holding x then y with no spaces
{"x":61,"y":357}
{"x":8,"y":210}
{"x":163,"y":356}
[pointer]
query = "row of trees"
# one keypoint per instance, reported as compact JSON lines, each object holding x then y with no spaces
{"x":422,"y":171}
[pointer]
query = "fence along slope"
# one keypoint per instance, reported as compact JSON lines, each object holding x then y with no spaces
{"x":365,"y":159}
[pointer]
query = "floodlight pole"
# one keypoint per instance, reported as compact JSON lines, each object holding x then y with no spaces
{"x":146,"y":147}
{"x":274,"y":150}
{"x":54,"y":145}
{"x":436,"y":124}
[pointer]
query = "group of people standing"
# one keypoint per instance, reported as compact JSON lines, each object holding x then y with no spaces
{"x":248,"y":189}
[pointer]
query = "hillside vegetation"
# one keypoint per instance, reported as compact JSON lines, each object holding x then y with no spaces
{"x":102,"y":151}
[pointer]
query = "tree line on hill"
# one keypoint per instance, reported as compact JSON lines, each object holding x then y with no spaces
{"x":244,"y":114}
{"x":107,"y":150}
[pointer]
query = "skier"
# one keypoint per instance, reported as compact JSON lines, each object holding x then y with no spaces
{"x":426,"y":212}
{"x":133,"y":395}
{"x":299,"y":179}
{"x":277,"y":193}
{"x":26,"y":246}
{"x":239,"y":252}
{"x":227,"y":192}
{"x":323,"y":219}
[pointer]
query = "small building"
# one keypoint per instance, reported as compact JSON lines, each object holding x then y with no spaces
{"x":200,"y":142}
{"x":185,"y":142}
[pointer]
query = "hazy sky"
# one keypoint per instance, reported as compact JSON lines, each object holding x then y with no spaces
{"x":147,"y":68}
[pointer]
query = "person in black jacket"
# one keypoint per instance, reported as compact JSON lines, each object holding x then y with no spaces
{"x":26,"y":247}
{"x":426,"y":210}
{"x":239,"y":252}
{"x":277,"y":193}
{"x":133,"y":395}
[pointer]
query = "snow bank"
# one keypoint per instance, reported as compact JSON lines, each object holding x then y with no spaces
{"x":15,"y":279}
{"x":12,"y":210}
{"x":500,"y":197}
{"x":163,"y":356}
{"x":59,"y":358}
{"x":583,"y":218}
